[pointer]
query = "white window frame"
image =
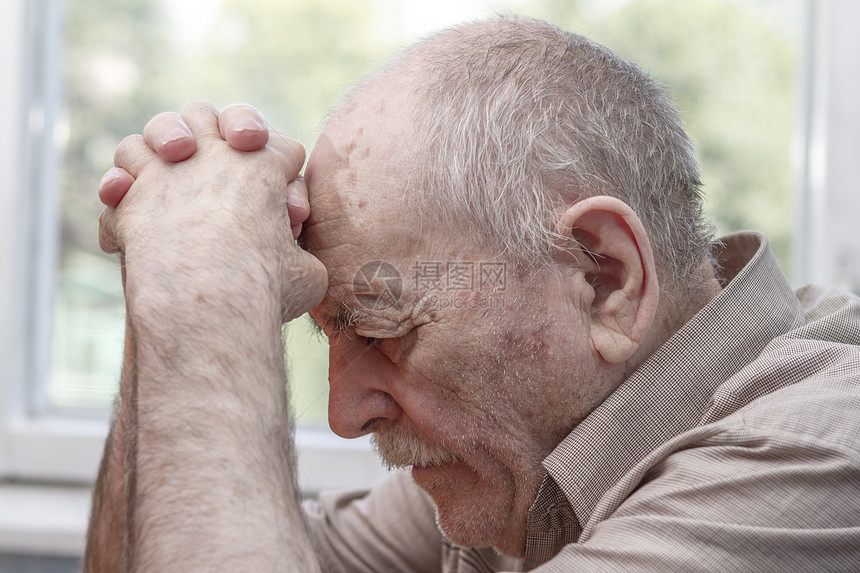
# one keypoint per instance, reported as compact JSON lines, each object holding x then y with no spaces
{"x":827,"y":243}
{"x":34,"y":446}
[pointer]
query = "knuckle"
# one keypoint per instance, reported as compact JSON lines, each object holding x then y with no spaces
{"x":107,"y":220}
{"x":294,"y":152}
{"x":297,"y":148}
{"x":298,"y":185}
{"x":199,"y":106}
{"x":202,"y":117}
{"x":107,"y":235}
{"x":129,"y":146}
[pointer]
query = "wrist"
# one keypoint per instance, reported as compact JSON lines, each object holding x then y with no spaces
{"x":206,"y":346}
{"x":219,"y":294}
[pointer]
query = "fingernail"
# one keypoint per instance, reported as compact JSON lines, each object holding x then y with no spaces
{"x":296,"y":201}
{"x":112,"y":174}
{"x":248,"y":123}
{"x":174,"y":134}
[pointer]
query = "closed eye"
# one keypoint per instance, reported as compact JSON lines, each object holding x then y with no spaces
{"x":372,"y":342}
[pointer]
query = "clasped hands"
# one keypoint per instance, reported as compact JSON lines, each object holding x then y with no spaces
{"x":208,"y":205}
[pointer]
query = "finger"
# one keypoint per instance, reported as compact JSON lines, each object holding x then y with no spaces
{"x":133,"y":154}
{"x":297,"y":204}
{"x":308,"y":292}
{"x":107,"y":231}
{"x":243,"y":127}
{"x":297,"y":230}
{"x":114,"y":185}
{"x":170,"y":137}
{"x":290,"y":150}
{"x":202,"y":118}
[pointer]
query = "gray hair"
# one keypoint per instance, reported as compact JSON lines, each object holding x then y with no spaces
{"x":517,"y":118}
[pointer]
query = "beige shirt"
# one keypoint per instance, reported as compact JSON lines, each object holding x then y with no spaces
{"x":735,"y":447}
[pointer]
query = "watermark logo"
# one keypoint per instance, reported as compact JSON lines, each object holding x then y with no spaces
{"x":459,"y":275}
{"x":377,"y":285}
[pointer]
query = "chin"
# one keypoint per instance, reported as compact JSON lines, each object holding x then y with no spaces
{"x":472,"y":509}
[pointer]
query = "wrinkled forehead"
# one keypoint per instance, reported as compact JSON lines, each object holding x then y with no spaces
{"x":360,"y":225}
{"x":358,"y":200}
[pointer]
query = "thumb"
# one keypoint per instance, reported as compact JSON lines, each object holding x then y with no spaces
{"x":107,"y":230}
{"x":307,"y":284}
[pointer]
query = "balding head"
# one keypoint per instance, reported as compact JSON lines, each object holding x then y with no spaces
{"x":515,"y":119}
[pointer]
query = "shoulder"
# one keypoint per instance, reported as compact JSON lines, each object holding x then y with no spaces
{"x":816,"y":360}
{"x":788,"y":450}
{"x":774,"y":486}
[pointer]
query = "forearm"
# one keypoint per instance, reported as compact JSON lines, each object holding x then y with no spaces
{"x":214,"y":466}
{"x":212,"y":270}
{"x":107,"y":536}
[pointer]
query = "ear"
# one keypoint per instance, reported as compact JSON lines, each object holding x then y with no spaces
{"x":617,"y":271}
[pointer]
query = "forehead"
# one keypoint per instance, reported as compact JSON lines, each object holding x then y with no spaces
{"x":358,"y":201}
{"x":360,"y":225}
{"x":358,"y":176}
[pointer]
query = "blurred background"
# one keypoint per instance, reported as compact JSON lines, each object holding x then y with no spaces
{"x":732,"y":66}
{"x":754,"y":80}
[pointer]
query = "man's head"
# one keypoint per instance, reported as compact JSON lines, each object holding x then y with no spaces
{"x":514,"y":119}
{"x":509,"y":146}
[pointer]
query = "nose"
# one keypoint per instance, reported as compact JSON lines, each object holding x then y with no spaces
{"x":359,"y":384}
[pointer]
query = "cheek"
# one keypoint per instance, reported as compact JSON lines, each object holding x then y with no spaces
{"x":492,"y":373}
{"x":524,"y":345}
{"x":455,"y":393}
{"x":502,"y":382}
{"x":515,"y":388}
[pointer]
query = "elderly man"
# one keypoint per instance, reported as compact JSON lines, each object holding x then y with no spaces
{"x":637,"y":397}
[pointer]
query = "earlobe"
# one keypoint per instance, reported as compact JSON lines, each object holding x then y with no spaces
{"x":609,"y":244}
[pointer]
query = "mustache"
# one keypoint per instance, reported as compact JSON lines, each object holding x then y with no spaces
{"x":402,"y":449}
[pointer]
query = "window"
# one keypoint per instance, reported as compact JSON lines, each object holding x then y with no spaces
{"x":108,"y":66}
{"x":81,"y":74}
{"x":90,"y":73}
{"x":98,"y":70}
